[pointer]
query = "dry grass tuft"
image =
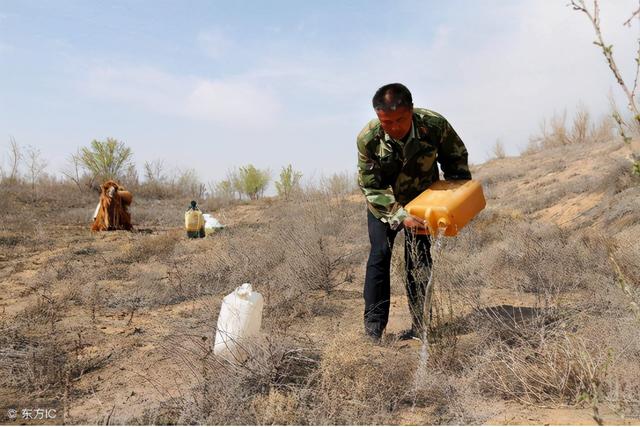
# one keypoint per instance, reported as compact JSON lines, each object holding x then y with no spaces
{"x":276,"y":408}
{"x":148,"y":247}
{"x":361,"y":383}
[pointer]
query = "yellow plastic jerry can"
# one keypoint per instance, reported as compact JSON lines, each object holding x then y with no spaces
{"x":448,"y":205}
{"x":193,"y":220}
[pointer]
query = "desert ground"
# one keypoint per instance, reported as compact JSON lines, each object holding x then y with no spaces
{"x":537,"y":317}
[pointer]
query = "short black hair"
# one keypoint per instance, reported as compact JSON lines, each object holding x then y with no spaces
{"x":392,"y":96}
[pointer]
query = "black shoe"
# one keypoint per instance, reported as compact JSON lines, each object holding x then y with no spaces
{"x":373,"y":330}
{"x":374,"y":338}
{"x":410,"y":334}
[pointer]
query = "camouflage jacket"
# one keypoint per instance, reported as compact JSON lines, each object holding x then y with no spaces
{"x":391,"y":173}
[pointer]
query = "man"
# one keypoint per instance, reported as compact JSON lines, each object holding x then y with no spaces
{"x":397,"y":155}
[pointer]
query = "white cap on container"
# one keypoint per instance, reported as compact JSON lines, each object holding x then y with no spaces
{"x":244,"y":290}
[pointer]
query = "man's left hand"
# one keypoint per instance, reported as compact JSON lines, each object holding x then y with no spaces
{"x":414,"y":222}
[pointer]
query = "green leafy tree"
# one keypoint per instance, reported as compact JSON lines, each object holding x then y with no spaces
{"x":253,"y":182}
{"x":108,"y":159}
{"x":289,"y":182}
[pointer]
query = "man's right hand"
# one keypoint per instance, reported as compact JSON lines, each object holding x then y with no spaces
{"x":414,"y":222}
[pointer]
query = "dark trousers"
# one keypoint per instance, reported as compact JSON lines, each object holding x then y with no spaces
{"x":377,"y":282}
{"x":196,"y":234}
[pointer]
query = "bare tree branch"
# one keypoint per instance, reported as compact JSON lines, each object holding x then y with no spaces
{"x":35,"y":166}
{"x":635,"y":80}
{"x":637,"y":58}
{"x":74,"y":170}
{"x":15,"y":156}
{"x":607,"y":51}
{"x":636,"y":13}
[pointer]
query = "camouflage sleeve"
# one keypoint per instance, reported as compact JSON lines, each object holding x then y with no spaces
{"x":380,"y":198}
{"x":452,"y":155}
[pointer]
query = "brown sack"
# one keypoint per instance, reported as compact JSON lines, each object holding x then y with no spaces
{"x":113,"y":212}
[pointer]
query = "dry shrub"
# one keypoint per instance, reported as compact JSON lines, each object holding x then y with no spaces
{"x":545,"y":260}
{"x":215,"y":204}
{"x":560,"y":369}
{"x":552,"y":135}
{"x":313,"y":257}
{"x":31,"y":365}
{"x":360,"y":383}
{"x":47,"y":310}
{"x":494,"y":181}
{"x":603,"y":131}
{"x":623,"y":210}
{"x":230,"y":259}
{"x":37,"y":361}
{"x":268,"y":385}
{"x":498,"y":150}
{"x":219,"y":264}
{"x":147,"y":247}
{"x":321,"y":251}
{"x":11,"y":241}
{"x":43,"y":357}
{"x":580,"y":127}
{"x":156,"y":285}
{"x":8,"y":200}
{"x":334,"y":186}
{"x":541,"y":355}
{"x":276,"y":408}
{"x":158,"y":213}
{"x":134,"y":296}
{"x":582,"y":130}
{"x":453,"y":398}
{"x":609,"y":319}
{"x":626,"y":254}
{"x":615,"y":178}
{"x":532,"y":147}
{"x":623,"y":380}
{"x":335,"y":226}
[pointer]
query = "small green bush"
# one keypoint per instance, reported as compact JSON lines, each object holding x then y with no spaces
{"x":252,"y":181}
{"x":106,"y":160}
{"x":289,"y":182}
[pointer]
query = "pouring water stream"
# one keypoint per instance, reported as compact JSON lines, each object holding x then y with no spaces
{"x":435,"y":250}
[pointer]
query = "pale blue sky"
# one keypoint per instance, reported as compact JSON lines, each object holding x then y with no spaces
{"x":214,"y":85}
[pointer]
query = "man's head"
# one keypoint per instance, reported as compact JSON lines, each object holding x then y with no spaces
{"x":394,"y":107}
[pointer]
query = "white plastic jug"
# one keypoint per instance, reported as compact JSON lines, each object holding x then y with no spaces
{"x":240,"y":318}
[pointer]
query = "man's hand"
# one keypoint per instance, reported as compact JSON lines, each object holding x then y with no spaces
{"x":414,"y":222}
